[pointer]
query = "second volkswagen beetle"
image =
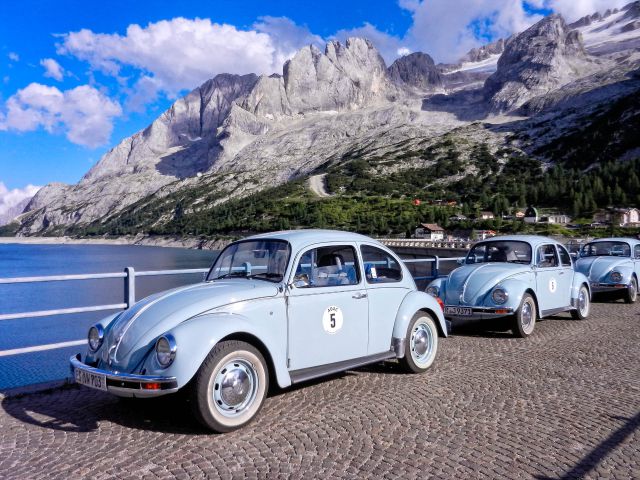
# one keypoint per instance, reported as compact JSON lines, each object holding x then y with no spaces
{"x":523,"y":277}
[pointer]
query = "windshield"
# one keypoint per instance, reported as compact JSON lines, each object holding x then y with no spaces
{"x":596,"y":249}
{"x":503,"y":251}
{"x":261,"y":259}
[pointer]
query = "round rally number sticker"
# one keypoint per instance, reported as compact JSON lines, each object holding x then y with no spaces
{"x":332,"y":319}
{"x":553,"y":285}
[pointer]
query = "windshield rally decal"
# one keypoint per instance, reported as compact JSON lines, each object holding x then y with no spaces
{"x":332,"y":319}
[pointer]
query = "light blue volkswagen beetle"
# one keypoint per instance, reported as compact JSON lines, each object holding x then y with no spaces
{"x":284,"y":307}
{"x":522,"y":276}
{"x":612,"y":265}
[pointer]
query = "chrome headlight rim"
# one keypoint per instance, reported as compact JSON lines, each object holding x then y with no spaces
{"x":616,"y":276}
{"x":96,"y":342}
{"x":499,"y":296}
{"x":432,"y":290}
{"x":166,"y":349}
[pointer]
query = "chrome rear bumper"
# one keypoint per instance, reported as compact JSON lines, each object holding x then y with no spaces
{"x":128,"y":384}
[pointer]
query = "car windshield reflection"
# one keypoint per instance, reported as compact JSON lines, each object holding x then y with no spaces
{"x":500,"y":251}
{"x":259,"y":259}
{"x":597,"y":249}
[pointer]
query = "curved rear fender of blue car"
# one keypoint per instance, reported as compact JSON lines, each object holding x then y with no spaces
{"x":579,"y":279}
{"x":203,"y":332}
{"x":413,"y":302}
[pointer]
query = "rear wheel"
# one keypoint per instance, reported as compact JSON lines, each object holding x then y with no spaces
{"x":421,"y":343}
{"x":584,"y":304}
{"x":631,"y":295}
{"x":525,"y":318}
{"x":230,"y":386}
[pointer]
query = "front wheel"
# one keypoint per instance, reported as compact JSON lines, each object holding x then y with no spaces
{"x":230,"y":386}
{"x":525,"y":318}
{"x":584,"y":304}
{"x":631,"y":295}
{"x":421,"y":343}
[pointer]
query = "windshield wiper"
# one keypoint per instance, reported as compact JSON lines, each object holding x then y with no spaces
{"x":266,"y":276}
{"x":231,"y":274}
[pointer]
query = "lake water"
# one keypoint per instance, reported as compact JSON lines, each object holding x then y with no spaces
{"x":18,"y":260}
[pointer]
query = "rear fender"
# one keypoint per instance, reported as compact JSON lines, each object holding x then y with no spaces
{"x":413,"y":302}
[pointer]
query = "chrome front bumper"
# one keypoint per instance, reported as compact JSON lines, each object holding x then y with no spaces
{"x":608,"y":287}
{"x":128,"y":384}
{"x":480,"y":313}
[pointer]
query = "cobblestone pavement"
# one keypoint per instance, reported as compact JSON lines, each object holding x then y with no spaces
{"x":564,"y":403}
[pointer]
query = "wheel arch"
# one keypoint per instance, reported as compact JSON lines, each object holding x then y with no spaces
{"x":413,"y":302}
{"x":530,"y":291}
{"x":262,"y":348}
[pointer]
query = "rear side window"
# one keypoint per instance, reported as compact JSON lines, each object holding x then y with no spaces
{"x":565,"y":258}
{"x":380,"y":266}
{"x":636,"y":251}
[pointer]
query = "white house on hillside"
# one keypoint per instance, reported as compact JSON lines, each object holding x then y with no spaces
{"x":430,"y":231}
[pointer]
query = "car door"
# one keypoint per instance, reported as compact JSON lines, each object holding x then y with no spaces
{"x":548,"y":269}
{"x":327,"y":307}
{"x":565,"y":275}
{"x":387,"y":288}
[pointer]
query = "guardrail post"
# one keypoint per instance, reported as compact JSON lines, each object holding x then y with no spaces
{"x":436,"y":265}
{"x":130,"y":287}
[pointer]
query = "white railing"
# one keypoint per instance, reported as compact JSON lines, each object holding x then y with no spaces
{"x":129,"y":295}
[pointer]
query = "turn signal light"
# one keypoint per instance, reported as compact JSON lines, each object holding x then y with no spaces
{"x":151,"y":386}
{"x":502,"y":311}
{"x":440,"y":302}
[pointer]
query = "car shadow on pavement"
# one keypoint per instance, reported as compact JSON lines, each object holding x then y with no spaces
{"x":601,"y":451}
{"x":78,"y":409}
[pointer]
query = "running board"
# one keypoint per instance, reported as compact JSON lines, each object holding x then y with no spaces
{"x":305,"y":374}
{"x":554,"y":311}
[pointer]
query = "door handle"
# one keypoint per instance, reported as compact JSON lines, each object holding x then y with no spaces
{"x":561,"y":273}
{"x":358,"y":296}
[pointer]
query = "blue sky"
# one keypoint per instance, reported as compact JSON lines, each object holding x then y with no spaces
{"x":78,"y":77}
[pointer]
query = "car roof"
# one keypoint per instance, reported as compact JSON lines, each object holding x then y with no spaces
{"x":303,"y":237}
{"x":631,"y":241}
{"x":533,"y":240}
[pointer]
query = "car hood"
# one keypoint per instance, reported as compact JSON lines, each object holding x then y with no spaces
{"x":597,"y":268}
{"x":137,"y":328}
{"x":465,"y":284}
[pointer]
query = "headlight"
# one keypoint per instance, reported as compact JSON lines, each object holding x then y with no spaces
{"x":499,"y":296}
{"x":432,"y":290}
{"x":616,"y":277}
{"x":95,"y":337}
{"x":166,"y":350}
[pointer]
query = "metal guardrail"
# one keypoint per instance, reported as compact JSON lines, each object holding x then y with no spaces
{"x":129,"y":275}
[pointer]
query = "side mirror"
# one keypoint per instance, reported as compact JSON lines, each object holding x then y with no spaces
{"x":460,"y":261}
{"x":574,"y":255}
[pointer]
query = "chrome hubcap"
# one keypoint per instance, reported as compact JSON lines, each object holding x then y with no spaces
{"x":527,"y":317}
{"x":633,"y":290}
{"x":235,"y":387}
{"x":421,"y":343}
{"x":583,"y":302}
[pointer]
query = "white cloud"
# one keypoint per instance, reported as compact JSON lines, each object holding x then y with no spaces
{"x":83,"y":113}
{"x":52,"y":69}
{"x":572,"y":9}
{"x":13,"y":201}
{"x":13,"y":56}
{"x":388,"y":45}
{"x":178,"y":54}
{"x":447,"y":33}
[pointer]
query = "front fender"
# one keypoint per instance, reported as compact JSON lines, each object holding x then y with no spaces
{"x":413,"y":302}
{"x":515,"y":288}
{"x":441,"y":284}
{"x":196,"y":337}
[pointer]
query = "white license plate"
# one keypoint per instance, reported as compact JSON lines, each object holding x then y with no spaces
{"x":459,"y":311}
{"x":92,"y":380}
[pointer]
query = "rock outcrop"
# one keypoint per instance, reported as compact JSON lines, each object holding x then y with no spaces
{"x":416,"y":71}
{"x":540,"y":59}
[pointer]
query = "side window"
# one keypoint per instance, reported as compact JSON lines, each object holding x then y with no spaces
{"x":547,"y":256}
{"x":565,"y":258}
{"x":636,"y":251}
{"x":327,"y":267}
{"x":379,"y":266}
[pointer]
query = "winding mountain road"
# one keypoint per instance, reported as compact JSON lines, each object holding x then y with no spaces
{"x":318,"y":186}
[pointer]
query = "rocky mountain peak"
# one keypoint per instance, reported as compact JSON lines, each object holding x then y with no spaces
{"x":416,"y":70}
{"x":543,"y":57}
